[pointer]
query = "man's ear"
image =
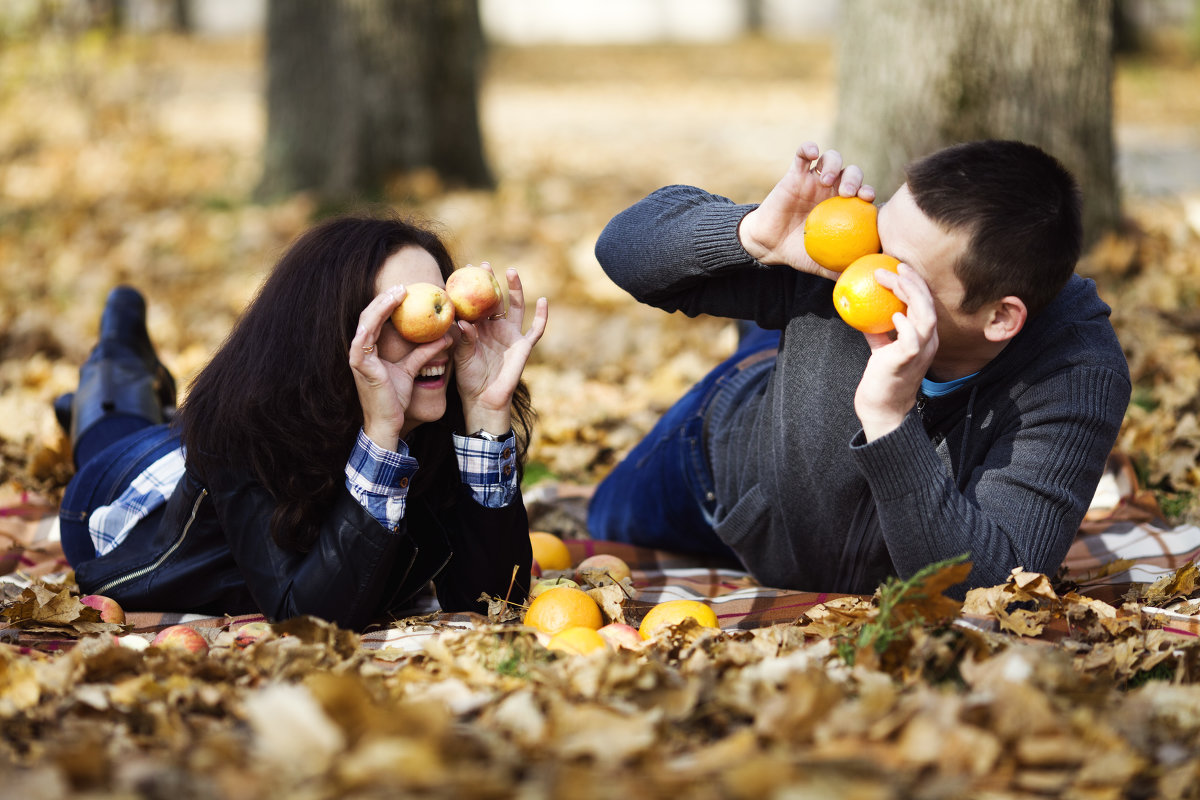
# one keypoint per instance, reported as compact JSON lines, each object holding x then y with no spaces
{"x":1005,"y":319}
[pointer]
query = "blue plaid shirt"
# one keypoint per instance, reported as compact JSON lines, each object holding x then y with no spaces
{"x":377,"y":478}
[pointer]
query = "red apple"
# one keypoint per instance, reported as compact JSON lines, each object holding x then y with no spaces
{"x":619,"y":635}
{"x":474,"y":292}
{"x":181,"y":637}
{"x":110,"y":610}
{"x":425,"y":314}
{"x":601,"y":566}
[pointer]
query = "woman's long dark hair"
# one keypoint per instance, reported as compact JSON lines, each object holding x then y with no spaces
{"x":279,"y":400}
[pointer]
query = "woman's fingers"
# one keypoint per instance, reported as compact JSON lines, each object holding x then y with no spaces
{"x":541,"y":313}
{"x":516,"y":298}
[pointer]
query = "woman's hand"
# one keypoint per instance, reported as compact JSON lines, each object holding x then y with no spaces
{"x":773,"y":233}
{"x":490,"y":356}
{"x":385,"y":387}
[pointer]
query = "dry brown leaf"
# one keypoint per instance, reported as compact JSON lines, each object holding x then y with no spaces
{"x":1179,"y":585}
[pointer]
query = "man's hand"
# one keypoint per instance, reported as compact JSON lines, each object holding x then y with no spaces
{"x":773,"y":233}
{"x":890,"y":383}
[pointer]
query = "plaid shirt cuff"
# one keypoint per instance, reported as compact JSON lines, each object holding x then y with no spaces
{"x":379,"y":479}
{"x":489,"y":469}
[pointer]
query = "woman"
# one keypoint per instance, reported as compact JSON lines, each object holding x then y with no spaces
{"x":321,"y":463}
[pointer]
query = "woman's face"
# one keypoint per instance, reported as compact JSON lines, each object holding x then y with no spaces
{"x":409,"y":265}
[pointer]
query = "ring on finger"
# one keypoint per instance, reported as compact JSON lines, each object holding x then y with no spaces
{"x":501,"y":315}
{"x":368,"y":349}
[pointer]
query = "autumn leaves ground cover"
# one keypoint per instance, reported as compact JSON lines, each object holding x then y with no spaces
{"x":133,"y":160}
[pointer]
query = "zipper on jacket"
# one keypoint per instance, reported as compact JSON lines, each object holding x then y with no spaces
{"x":158,"y":561}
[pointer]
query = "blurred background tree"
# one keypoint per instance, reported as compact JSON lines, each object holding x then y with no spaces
{"x":358,"y":90}
{"x":919,"y":75}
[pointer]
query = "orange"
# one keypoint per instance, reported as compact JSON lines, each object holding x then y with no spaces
{"x":549,"y":552}
{"x":669,"y":612}
{"x":562,"y":607}
{"x":579,"y":640}
{"x":860,"y":299}
{"x":840,"y":230}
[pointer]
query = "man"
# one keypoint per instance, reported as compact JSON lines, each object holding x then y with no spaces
{"x":825,"y":459}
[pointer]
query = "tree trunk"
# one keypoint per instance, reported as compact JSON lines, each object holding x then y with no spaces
{"x":360,"y":90}
{"x":918,"y":75}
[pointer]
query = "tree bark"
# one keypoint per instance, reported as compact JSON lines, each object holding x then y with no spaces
{"x":360,"y":90}
{"x":918,"y":75}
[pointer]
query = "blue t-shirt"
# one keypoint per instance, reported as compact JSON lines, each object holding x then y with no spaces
{"x":934,"y":389}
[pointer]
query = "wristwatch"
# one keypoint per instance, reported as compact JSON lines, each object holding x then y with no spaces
{"x":482,"y":434}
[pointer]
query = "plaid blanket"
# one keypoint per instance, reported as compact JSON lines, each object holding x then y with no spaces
{"x":1123,"y":541}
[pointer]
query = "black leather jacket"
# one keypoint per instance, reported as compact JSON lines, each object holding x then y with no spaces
{"x":209,"y":551}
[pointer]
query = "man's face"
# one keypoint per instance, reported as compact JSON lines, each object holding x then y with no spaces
{"x":907,"y":234}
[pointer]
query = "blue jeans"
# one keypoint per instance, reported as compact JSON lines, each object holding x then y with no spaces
{"x":662,"y":495}
{"x":119,"y":449}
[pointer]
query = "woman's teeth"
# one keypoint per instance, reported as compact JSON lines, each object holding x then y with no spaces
{"x":432,"y":372}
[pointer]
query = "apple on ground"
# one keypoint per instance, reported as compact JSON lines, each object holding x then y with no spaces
{"x":600,"y":566}
{"x":619,"y":635}
{"x":425,"y":314}
{"x":181,"y":637}
{"x":549,"y":583}
{"x":110,"y":610}
{"x":250,"y":633}
{"x":474,"y":291}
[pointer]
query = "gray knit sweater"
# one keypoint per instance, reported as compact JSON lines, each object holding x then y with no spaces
{"x":1002,"y":469}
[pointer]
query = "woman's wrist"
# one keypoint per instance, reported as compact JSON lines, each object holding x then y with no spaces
{"x":385,"y":438}
{"x":496,"y":423}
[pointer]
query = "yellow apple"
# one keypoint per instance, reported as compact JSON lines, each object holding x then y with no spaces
{"x":425,"y":314}
{"x":602,"y":568}
{"x":474,"y":292}
{"x":542,"y":585}
{"x":250,"y":633}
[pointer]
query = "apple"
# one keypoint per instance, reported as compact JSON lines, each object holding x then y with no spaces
{"x":110,"y":610}
{"x":425,"y":313}
{"x":181,"y":637}
{"x":549,"y":583}
{"x":250,"y":633}
{"x":619,"y":635}
{"x":474,"y":291}
{"x":602,"y":566}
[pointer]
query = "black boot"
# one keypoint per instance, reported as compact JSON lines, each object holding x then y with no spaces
{"x":122,"y":375}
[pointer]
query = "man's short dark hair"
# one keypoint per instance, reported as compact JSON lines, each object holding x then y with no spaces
{"x":1021,"y":209}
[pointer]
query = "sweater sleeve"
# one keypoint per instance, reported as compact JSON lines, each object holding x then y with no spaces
{"x":1020,"y":507}
{"x":678,"y":250}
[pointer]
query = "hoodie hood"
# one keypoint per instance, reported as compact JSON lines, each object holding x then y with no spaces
{"x":1063,"y":334}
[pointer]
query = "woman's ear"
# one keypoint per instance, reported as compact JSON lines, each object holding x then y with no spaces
{"x":1005,"y":319}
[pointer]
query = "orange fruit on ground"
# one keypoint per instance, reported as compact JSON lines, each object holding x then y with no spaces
{"x":562,"y":607}
{"x":670,"y":612}
{"x":861,"y":300}
{"x":840,"y":230}
{"x":579,"y":640}
{"x":549,"y":551}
